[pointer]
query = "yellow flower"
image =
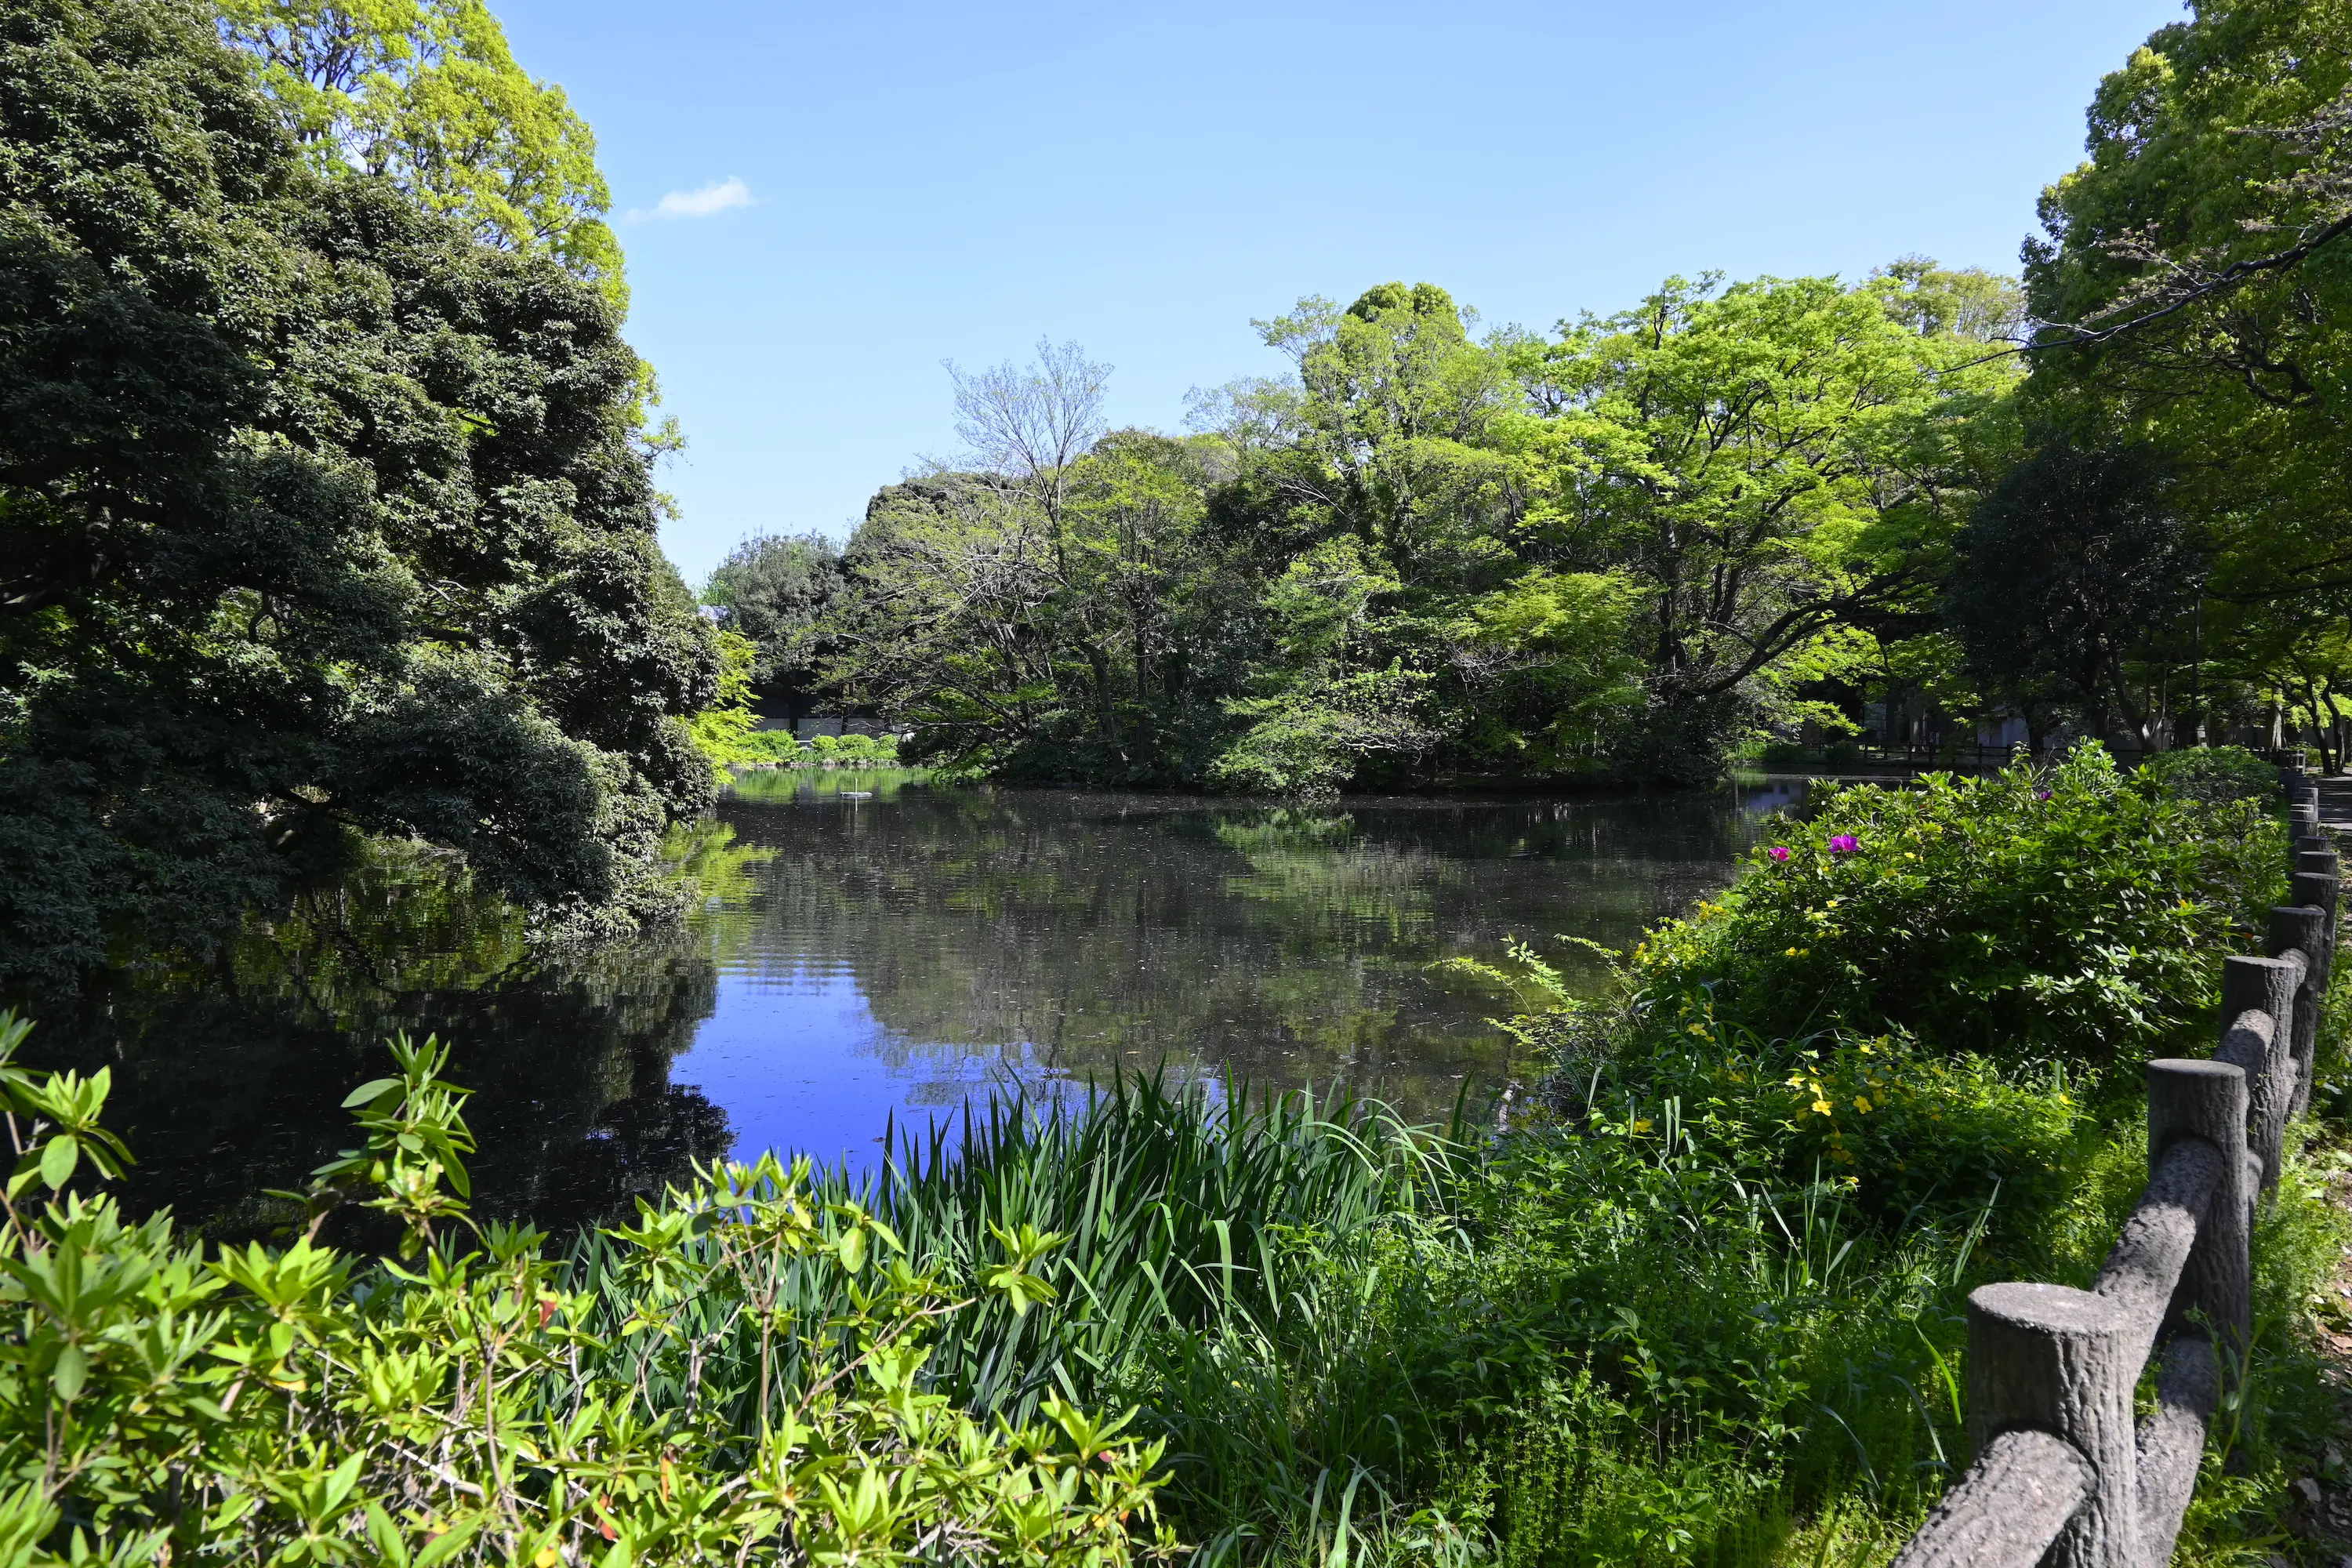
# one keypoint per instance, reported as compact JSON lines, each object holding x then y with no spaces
{"x":1865,"y":1047}
{"x":1642,"y":1125}
{"x":1792,"y":952}
{"x":548,"y":1558}
{"x":1908,"y":856}
{"x":1821,"y":1107}
{"x":1862,"y":1103}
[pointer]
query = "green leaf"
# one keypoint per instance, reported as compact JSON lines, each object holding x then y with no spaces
{"x":385,"y":1536}
{"x":369,"y":1091}
{"x":852,"y":1250}
{"x":446,"y":1545}
{"x":58,"y":1161}
{"x":72,"y":1371}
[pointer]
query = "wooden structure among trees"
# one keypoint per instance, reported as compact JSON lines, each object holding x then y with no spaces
{"x":2063,"y":1475}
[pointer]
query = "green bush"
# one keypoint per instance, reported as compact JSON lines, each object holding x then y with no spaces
{"x":480,"y":1403}
{"x":768,"y":746}
{"x":825,"y":746}
{"x":856,"y":748}
{"x":2064,"y":915}
{"x":2213,"y":774}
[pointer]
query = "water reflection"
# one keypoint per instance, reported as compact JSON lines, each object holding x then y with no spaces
{"x":902,"y":945}
{"x":869,"y":946}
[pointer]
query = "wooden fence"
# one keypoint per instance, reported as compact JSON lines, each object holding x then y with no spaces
{"x":2064,"y":1476}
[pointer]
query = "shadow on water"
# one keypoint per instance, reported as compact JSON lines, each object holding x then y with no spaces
{"x":869,"y":946}
{"x":229,"y":1081}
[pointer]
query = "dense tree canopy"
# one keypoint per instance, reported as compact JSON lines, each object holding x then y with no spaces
{"x":318,"y":516}
{"x":775,"y":591}
{"x":2195,"y":287}
{"x":1624,"y":548}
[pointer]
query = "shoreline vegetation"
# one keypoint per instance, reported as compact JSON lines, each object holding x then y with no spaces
{"x":1698,"y":1303}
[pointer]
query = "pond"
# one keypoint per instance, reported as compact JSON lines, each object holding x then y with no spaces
{"x":873,"y":950}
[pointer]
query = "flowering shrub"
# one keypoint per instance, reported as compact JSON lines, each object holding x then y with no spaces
{"x":1909,"y":1133}
{"x":487,"y":1405}
{"x":2069,"y":916}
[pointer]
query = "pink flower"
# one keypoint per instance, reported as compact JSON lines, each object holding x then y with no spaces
{"x":1844,"y":844}
{"x":1779,"y":852}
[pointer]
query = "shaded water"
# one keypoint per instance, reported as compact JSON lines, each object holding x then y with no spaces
{"x":874,"y":947}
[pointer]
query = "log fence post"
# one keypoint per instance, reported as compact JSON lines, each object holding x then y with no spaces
{"x":2051,"y":1371}
{"x":2261,"y":1047}
{"x":2207,"y":1099}
{"x":2048,"y":1358}
{"x":2302,"y":930}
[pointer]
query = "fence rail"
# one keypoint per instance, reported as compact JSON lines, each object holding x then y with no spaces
{"x":2064,"y":1476}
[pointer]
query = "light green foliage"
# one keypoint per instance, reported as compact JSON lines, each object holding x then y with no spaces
{"x":723,"y":731}
{"x":487,"y":1404}
{"x":2072,"y":914}
{"x":2214,"y":776}
{"x":1433,"y":552}
{"x":1767,"y":457}
{"x":426,"y":94}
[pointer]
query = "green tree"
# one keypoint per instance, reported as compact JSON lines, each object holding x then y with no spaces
{"x":776,"y":590}
{"x":425,"y":94}
{"x":2196,"y":282}
{"x":2073,"y":562}
{"x":318,"y":516}
{"x":1760,"y":458}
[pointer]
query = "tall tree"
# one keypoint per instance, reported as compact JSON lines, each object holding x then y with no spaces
{"x":426,"y":94}
{"x":2071,"y":565}
{"x":2194,"y":281}
{"x":318,"y":517}
{"x":777,"y":591}
{"x":1748,"y":455}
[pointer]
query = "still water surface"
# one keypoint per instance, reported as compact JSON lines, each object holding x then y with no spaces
{"x":876,"y":947}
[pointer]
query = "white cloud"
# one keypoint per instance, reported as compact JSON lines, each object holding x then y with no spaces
{"x":716,"y":197}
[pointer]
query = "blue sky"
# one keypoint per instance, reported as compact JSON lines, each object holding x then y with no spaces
{"x":920,"y":183}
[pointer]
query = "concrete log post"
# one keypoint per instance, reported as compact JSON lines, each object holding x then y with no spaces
{"x":2171,"y":1444}
{"x":2322,"y":891}
{"x":2303,"y":929}
{"x":2007,"y":1510}
{"x":2262,"y":1047}
{"x":2207,"y":1101}
{"x":2047,"y":1358}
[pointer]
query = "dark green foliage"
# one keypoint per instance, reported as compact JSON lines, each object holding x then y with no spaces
{"x":776,"y":591}
{"x":2067,"y":569}
{"x":317,"y":516}
{"x":2213,"y":775}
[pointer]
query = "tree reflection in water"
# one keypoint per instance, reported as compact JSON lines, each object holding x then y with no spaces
{"x":929,"y":939}
{"x":1057,"y":935}
{"x":229,"y":1079}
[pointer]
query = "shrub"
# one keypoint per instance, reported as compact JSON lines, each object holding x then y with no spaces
{"x":2064,"y":915}
{"x":856,"y":748}
{"x":2215,"y":776}
{"x":482,"y":1404}
{"x":825,"y":746}
{"x":769,"y":746}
